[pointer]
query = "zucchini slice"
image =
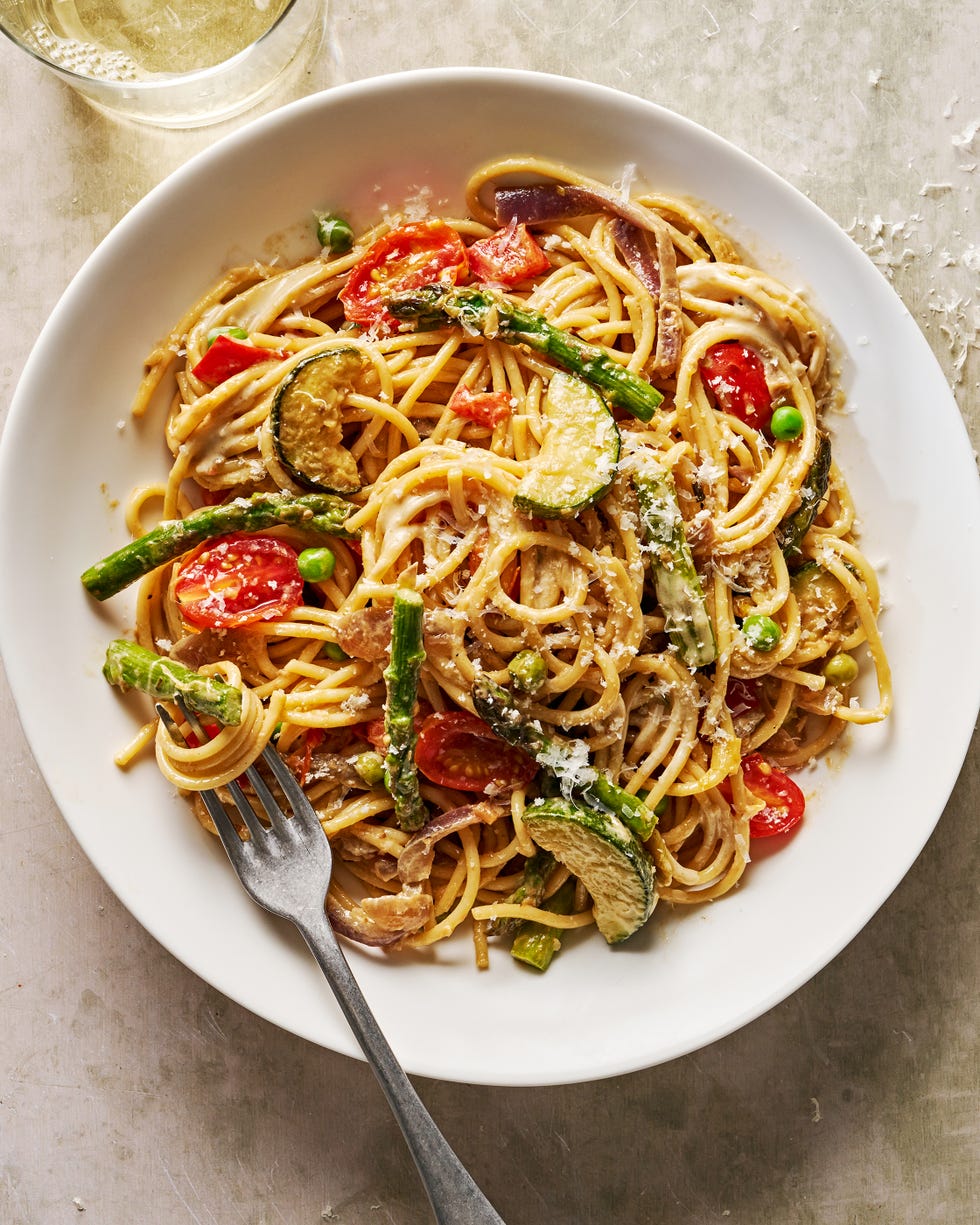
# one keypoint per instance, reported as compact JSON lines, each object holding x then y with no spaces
{"x":599,"y":849}
{"x":822,"y":602}
{"x":307,"y":425}
{"x":578,"y":458}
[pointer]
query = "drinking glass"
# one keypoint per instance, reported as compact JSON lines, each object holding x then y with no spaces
{"x":177,"y":64}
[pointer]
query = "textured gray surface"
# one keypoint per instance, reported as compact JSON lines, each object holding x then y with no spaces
{"x":132,"y":1092}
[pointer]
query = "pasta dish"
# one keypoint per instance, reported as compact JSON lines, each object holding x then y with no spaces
{"x":520,"y":535}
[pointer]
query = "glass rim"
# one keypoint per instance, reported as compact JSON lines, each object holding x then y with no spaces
{"x":163,"y":81}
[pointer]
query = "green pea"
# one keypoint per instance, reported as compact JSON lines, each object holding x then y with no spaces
{"x":528,"y":670}
{"x":761,"y":632}
{"x":334,"y":233}
{"x":841,"y":669}
{"x":236,"y":333}
{"x":786,"y":423}
{"x":316,"y":565}
{"x":370,"y":767}
{"x":333,"y":650}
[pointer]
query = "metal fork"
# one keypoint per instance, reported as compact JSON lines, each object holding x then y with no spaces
{"x":285,"y":866}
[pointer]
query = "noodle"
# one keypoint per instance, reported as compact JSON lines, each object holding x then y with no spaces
{"x":436,"y":512}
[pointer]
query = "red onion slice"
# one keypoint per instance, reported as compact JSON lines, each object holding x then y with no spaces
{"x":539,"y":202}
{"x":415,"y":861}
{"x":635,"y":246}
{"x":656,"y":270}
{"x":381,"y":921}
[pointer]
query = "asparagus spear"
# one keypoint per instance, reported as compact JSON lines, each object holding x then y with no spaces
{"x":480,"y":310}
{"x":794,"y":527}
{"x":678,"y":587}
{"x":168,"y":540}
{"x":402,"y":681}
{"x":536,"y":943}
{"x":496,"y":706}
{"x":131,"y":666}
{"x":537,"y":869}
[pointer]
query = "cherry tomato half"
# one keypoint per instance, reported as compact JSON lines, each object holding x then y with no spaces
{"x":509,"y":256}
{"x":237,"y":580}
{"x":484,"y":407}
{"x":785,"y":802}
{"x":735,"y":376}
{"x":419,"y":253}
{"x":456,"y":749}
{"x":228,"y":356}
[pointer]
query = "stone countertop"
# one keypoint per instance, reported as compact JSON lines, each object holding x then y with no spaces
{"x":131,"y":1091}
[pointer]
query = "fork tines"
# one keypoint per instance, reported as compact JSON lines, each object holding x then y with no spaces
{"x":304,"y":820}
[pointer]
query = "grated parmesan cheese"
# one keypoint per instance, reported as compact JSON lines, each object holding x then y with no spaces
{"x":569,"y":763}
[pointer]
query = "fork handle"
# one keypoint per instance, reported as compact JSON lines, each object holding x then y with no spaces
{"x":453,"y":1194}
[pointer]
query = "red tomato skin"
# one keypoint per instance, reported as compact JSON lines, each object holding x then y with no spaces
{"x":239,"y":580}
{"x":507,"y":257}
{"x":300,"y":763}
{"x":374,"y":730}
{"x":483,"y":407}
{"x":374,"y":733}
{"x":736,"y":378}
{"x":228,"y":356}
{"x":456,"y":749}
{"x":785,"y":802}
{"x":210,"y":731}
{"x":417,"y":253}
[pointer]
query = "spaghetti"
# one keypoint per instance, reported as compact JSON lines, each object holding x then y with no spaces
{"x":443,"y":422}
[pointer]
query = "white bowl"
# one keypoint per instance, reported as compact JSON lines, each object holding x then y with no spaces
{"x":689,"y":978}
